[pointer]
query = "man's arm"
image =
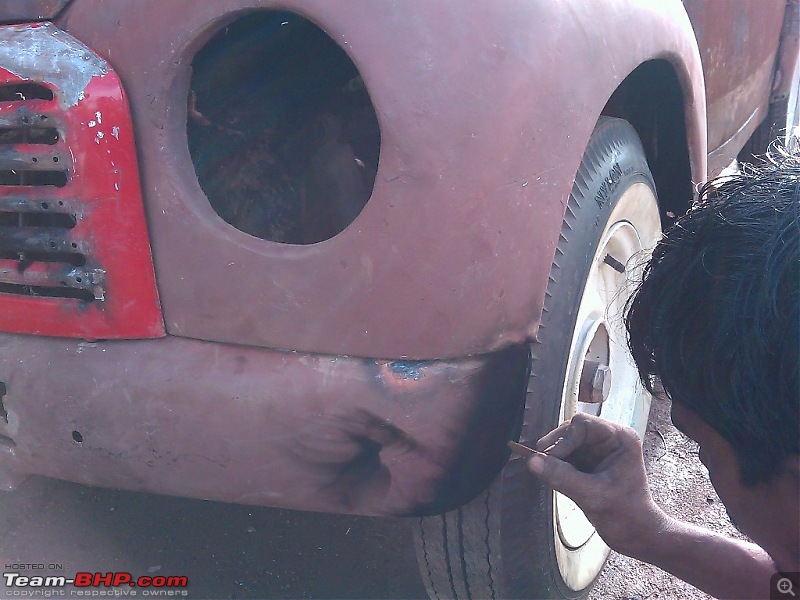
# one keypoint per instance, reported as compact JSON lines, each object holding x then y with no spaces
{"x":600,"y":466}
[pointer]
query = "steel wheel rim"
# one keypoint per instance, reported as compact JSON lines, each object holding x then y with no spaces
{"x":600,"y":333}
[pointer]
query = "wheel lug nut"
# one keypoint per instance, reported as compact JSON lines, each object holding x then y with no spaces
{"x":595,"y":383}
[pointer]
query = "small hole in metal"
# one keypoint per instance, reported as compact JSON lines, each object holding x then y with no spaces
{"x":76,"y":435}
{"x":45,"y":205}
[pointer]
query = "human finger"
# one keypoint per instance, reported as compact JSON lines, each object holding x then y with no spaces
{"x":552,"y":438}
{"x":583,"y":432}
{"x":562,"y":476}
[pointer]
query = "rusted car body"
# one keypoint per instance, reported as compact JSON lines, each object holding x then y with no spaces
{"x":378,"y":371}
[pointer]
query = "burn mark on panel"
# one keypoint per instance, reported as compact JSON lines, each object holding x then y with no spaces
{"x":346,"y":453}
{"x":500,"y":391}
{"x":354,"y":454}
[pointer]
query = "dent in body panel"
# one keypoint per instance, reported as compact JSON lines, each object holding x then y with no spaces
{"x":44,"y":53}
{"x":364,"y":458}
{"x":298,"y":431}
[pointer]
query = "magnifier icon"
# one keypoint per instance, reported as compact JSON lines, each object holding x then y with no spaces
{"x":785,"y":586}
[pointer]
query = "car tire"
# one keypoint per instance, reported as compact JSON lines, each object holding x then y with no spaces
{"x":518,"y":539}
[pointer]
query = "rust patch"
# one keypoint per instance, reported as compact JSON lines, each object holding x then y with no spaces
{"x":44,"y":53}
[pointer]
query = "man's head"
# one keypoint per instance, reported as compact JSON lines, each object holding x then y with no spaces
{"x":715,"y":320}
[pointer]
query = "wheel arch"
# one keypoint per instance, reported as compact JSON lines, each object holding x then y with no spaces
{"x":652,"y":99}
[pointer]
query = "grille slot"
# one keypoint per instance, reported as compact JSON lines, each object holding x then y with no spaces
{"x":25,"y":258}
{"x":32,"y":219}
{"x":32,"y":152}
{"x":46,"y":292}
{"x":38,"y":256}
{"x":29,"y":135}
{"x":26,"y":177}
{"x":19,"y":92}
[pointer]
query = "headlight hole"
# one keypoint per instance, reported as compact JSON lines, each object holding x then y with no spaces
{"x":282,"y":132}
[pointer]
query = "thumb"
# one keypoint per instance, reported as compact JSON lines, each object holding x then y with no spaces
{"x":560,"y":475}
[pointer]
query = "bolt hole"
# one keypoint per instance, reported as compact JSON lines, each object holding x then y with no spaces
{"x":78,"y":279}
{"x":34,"y":159}
{"x":45,"y":205}
{"x":76,"y":435}
{"x":52,"y":244}
{"x":61,"y":203}
{"x":74,"y":245}
{"x":55,"y":159}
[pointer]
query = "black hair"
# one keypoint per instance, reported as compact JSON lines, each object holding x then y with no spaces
{"x":715,"y":318}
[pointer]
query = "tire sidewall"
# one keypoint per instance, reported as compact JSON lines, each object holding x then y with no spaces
{"x":613,"y":162}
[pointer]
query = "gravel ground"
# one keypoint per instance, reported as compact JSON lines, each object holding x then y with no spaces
{"x":680,"y":484}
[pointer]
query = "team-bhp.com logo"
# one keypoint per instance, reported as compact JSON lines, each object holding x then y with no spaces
{"x":115,"y":584}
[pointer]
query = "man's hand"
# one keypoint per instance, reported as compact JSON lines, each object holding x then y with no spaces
{"x":599,"y":465}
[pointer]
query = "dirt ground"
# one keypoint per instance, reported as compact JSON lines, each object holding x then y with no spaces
{"x":680,"y":484}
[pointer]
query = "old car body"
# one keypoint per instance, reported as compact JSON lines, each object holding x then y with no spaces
{"x":378,"y":371}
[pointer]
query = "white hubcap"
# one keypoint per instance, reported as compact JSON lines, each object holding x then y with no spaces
{"x":600,"y":336}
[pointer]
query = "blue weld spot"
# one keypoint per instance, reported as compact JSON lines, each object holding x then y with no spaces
{"x":407,"y":369}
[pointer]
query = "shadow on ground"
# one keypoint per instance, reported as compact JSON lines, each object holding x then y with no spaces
{"x":226,"y":551}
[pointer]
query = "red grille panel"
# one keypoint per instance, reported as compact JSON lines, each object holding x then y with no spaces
{"x":74,"y":252}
